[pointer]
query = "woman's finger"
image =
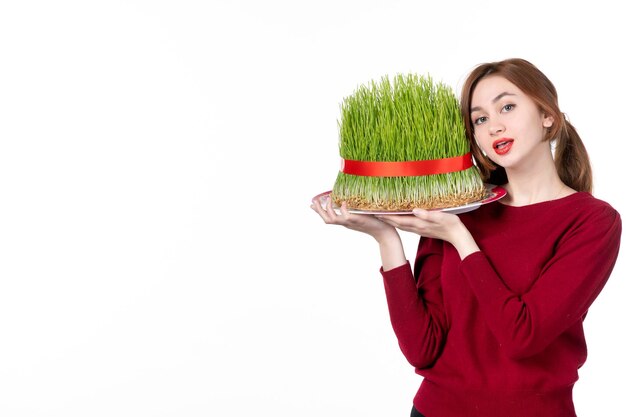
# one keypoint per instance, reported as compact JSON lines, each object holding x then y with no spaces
{"x":344,"y":209}
{"x":330,"y":211}
{"x":420,"y":213}
{"x":388,"y":219}
{"x":317,"y":207}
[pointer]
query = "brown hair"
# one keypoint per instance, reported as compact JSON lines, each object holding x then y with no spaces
{"x":570,"y":156}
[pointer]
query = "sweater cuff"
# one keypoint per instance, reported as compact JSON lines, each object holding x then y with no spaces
{"x":471,"y":261}
{"x":396,"y":272}
{"x":481,"y":277}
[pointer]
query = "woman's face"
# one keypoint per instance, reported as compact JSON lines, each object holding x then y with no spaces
{"x":508,"y":125}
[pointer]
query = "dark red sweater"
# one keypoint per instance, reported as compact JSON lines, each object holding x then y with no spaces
{"x":500,"y":333}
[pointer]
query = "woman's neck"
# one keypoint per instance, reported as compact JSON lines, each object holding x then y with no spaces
{"x":534,"y":187}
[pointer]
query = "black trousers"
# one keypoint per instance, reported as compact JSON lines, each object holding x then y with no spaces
{"x":415,"y":413}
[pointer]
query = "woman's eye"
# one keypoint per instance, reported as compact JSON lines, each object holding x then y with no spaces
{"x":480,"y":120}
{"x":508,"y":107}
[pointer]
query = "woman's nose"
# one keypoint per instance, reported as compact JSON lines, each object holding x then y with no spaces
{"x":496,"y":128}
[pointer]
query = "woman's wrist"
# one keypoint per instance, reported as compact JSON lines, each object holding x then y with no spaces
{"x":391,"y":250}
{"x":464,"y":243}
{"x":387,"y":236}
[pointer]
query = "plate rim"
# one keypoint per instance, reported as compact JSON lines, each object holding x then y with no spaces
{"x":497,"y":191}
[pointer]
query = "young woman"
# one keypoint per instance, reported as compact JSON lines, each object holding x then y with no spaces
{"x":491,"y":315}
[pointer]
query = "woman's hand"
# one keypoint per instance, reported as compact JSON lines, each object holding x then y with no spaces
{"x":390,"y":244}
{"x":433,"y":224}
{"x":436,"y":225}
{"x":364,"y":223}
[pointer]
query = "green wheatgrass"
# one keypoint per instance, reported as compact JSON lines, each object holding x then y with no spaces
{"x":409,"y":118}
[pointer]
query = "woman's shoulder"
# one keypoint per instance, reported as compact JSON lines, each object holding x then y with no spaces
{"x":589,"y":212}
{"x":586,"y":202}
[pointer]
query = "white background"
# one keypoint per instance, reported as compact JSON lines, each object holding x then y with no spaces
{"x":158,"y":256}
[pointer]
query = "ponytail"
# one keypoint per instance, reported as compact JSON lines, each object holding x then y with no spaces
{"x":571,"y":159}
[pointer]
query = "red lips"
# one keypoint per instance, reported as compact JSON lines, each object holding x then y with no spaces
{"x":503,"y":146}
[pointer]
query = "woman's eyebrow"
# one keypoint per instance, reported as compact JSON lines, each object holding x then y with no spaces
{"x":496,"y":98}
{"x":499,"y":96}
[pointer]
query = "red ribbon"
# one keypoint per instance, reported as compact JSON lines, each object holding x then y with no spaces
{"x":406,"y":168}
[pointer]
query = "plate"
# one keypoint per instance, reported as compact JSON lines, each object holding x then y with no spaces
{"x":494,"y":193}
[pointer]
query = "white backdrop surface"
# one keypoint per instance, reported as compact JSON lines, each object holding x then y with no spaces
{"x":158,"y":256}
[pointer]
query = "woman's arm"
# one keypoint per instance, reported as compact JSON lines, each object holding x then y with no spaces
{"x":525,"y":324}
{"x":568,"y":284}
{"x":416,"y":307}
{"x":562,"y":294}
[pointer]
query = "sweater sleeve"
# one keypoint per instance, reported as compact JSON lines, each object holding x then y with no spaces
{"x":568,"y":284}
{"x":416,"y":307}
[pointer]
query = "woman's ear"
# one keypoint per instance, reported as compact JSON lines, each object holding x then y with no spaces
{"x":548,"y":121}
